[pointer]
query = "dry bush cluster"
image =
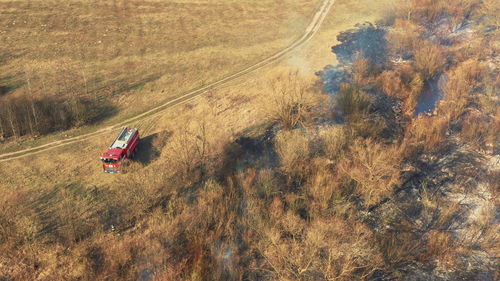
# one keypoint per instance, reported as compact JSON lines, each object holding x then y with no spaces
{"x":293,"y":102}
{"x":295,"y":153}
{"x":403,"y":37}
{"x":404,"y":84}
{"x":354,"y":102}
{"x":427,"y":133}
{"x":434,"y":12}
{"x":429,"y":59}
{"x":325,"y":202}
{"x":461,"y":87}
{"x":326,"y":249}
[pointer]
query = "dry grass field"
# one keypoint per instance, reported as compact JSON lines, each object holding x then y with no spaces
{"x":237,"y":106}
{"x":217,"y":194}
{"x":124,"y":57}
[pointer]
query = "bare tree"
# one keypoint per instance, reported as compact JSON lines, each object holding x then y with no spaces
{"x":11,"y":118}
{"x":28,"y":74}
{"x":191,"y":148}
{"x":2,"y":130}
{"x":374,"y":167}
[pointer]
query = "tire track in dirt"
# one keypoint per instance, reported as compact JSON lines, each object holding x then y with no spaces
{"x":310,"y":31}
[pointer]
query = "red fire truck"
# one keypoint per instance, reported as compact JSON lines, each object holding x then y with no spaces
{"x":122,"y":148}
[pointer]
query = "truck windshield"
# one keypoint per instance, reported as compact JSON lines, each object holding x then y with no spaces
{"x":108,"y":160}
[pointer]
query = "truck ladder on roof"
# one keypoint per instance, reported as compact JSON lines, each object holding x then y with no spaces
{"x":123,"y":138}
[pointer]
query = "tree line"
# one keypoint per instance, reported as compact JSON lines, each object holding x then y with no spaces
{"x":25,"y":115}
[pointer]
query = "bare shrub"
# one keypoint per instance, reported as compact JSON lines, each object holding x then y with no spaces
{"x":192,"y":148}
{"x":353,"y":102}
{"x":429,"y":59}
{"x":327,"y":195}
{"x":392,"y":84}
{"x":361,"y":71}
{"x":294,"y":151}
{"x":374,"y":167}
{"x":292,"y":102}
{"x":404,"y":84}
{"x":267,"y":183}
{"x":370,"y":126}
{"x":321,"y":190}
{"x":416,"y":86}
{"x":335,"y":140}
{"x":460,"y":12}
{"x":400,"y":82}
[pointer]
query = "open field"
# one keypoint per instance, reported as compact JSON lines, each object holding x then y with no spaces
{"x":309,"y":32}
{"x":133,"y":55}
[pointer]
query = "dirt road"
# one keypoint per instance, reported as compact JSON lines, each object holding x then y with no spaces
{"x":310,"y":31}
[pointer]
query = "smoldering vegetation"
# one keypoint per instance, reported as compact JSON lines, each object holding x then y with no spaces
{"x":348,"y":185}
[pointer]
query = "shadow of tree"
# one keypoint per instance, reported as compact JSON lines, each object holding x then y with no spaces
{"x":150,"y":147}
{"x":9,"y":84}
{"x":68,"y":212}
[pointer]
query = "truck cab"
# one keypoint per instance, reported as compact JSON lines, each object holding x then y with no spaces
{"x":123,"y":147}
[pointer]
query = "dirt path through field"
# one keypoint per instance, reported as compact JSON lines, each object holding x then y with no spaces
{"x":310,"y":31}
